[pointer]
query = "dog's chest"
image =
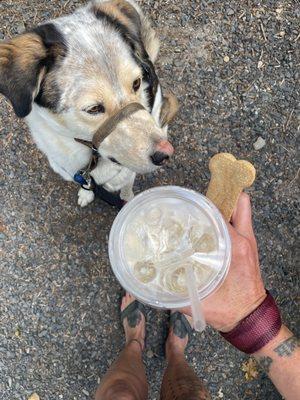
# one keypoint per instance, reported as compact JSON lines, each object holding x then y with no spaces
{"x":64,"y":156}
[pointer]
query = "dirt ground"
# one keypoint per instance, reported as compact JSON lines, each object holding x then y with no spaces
{"x":234,"y":66}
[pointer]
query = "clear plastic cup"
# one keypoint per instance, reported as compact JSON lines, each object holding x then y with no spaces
{"x":189,"y":202}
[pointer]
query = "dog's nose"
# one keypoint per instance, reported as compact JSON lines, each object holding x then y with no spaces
{"x":165,"y":147}
{"x":159,"y":158}
{"x":163,"y":152}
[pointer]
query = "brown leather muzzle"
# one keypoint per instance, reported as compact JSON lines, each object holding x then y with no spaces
{"x":110,"y":125}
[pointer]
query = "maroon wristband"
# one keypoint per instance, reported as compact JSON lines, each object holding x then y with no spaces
{"x":258,"y":329}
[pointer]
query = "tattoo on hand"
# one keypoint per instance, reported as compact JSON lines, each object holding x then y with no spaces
{"x":265,"y":363}
{"x":287,"y":348}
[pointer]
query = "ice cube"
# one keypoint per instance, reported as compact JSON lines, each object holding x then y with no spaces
{"x":175,"y":233}
{"x":202,"y":242}
{"x":202,"y":273}
{"x":145,"y":271}
{"x":175,"y":281}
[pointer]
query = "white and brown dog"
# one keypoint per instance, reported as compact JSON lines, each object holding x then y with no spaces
{"x":67,"y":77}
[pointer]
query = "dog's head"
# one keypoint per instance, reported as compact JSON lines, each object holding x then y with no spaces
{"x":79,"y":70}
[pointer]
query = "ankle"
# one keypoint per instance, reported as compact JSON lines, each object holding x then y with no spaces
{"x":136,"y":345}
{"x":174,"y":355}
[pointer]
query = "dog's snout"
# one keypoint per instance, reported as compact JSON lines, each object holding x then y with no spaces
{"x":159,"y":158}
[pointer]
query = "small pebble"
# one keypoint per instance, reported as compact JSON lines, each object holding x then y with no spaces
{"x":9,"y":380}
{"x":226,"y":59}
{"x":150,"y":354}
{"x":260,"y":64}
{"x":20,"y":28}
{"x":2,"y":36}
{"x":230,"y":11}
{"x":259,"y":144}
{"x":85,"y":392}
{"x":184,"y":19}
{"x":18,"y":332}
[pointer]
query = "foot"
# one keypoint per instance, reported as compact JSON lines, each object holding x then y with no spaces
{"x":178,"y":338}
{"x":134,"y":324}
{"x":85,"y":197}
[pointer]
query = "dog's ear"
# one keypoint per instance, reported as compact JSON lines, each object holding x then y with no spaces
{"x":22,"y":59}
{"x":169,"y":109}
{"x":126,"y":20}
{"x":20,"y":64}
{"x":141,"y":26}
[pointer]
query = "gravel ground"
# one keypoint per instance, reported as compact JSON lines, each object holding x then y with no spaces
{"x":234,"y":67}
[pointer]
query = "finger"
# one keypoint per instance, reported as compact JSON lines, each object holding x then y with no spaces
{"x":242,"y":217}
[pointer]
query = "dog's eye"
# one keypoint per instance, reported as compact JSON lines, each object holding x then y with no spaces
{"x":97,"y":109}
{"x":137,"y":84}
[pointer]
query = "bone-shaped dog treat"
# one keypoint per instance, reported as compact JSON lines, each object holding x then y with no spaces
{"x":229,"y":177}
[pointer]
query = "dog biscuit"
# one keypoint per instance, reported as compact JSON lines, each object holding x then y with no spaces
{"x":229,"y":177}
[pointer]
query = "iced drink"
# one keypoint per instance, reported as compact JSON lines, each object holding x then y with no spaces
{"x":163,"y":235}
{"x":162,"y":240}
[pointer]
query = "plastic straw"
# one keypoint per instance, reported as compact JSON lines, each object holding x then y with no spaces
{"x":210,"y":260}
{"x":198,"y":317}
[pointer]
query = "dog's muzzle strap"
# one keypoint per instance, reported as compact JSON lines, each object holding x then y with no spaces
{"x":110,"y":125}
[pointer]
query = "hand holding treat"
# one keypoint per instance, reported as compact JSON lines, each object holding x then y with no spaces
{"x":243,"y":289}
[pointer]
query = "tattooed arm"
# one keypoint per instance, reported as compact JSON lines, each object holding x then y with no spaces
{"x":280,"y":359}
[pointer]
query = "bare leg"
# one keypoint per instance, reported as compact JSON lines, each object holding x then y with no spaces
{"x":180,"y":381}
{"x":126,"y":378}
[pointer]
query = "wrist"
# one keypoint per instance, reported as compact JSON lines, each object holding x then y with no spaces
{"x":283,"y":334}
{"x":256,"y":330}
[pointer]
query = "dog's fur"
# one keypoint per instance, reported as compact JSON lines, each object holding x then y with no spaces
{"x":59,"y":73}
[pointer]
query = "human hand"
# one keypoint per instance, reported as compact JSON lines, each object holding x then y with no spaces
{"x":243,"y":289}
